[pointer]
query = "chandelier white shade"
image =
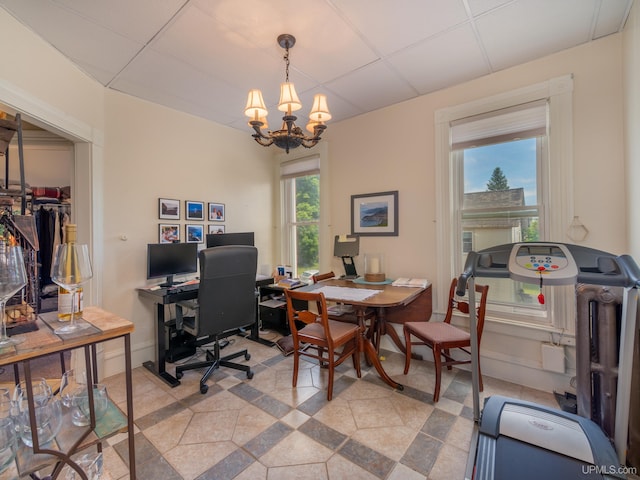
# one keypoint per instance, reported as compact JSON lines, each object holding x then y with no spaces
{"x":290,"y":135}
{"x":255,"y":105}
{"x":289,"y":101}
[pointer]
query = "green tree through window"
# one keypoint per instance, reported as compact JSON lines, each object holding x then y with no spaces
{"x":498,"y":181}
{"x":307,"y":217}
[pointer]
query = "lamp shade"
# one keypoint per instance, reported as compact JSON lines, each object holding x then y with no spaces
{"x":319,"y":109}
{"x":311,"y":125}
{"x":289,"y":100}
{"x":255,"y":105}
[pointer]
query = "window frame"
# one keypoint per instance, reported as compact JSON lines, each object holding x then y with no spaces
{"x":289,"y":172}
{"x":555,"y":214}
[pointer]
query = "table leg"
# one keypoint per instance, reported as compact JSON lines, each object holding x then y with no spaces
{"x":255,"y":328}
{"x":129,"y":383}
{"x":387,"y":329}
{"x":370,"y":352}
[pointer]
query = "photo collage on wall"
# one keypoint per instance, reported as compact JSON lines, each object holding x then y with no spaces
{"x":194,"y":211}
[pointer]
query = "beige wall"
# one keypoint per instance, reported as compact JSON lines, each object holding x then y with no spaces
{"x":631,"y":57}
{"x":152,"y":152}
{"x":42,"y":73}
{"x":394,"y":149}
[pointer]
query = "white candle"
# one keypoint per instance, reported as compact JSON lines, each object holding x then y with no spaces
{"x":374,"y":265}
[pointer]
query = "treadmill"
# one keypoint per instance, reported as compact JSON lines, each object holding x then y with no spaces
{"x":519,"y":439}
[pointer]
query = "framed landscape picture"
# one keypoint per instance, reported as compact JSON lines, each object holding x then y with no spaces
{"x":168,"y":209}
{"x":194,"y":210}
{"x":194,"y":233}
{"x":216,"y":212}
{"x":375,"y":214}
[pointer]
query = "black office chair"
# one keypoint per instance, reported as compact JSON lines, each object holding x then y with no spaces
{"x":226,"y":303}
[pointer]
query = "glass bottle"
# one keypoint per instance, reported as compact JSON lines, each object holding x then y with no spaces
{"x":64,"y":295}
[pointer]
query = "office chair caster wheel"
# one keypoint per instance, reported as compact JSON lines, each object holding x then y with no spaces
{"x":204,"y":389}
{"x":179,"y":375}
{"x":247,"y":356}
{"x":249,"y":374}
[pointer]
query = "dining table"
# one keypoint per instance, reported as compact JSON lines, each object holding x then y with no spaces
{"x":362,"y":296}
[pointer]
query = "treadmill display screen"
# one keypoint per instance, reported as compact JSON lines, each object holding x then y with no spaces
{"x":541,"y":250}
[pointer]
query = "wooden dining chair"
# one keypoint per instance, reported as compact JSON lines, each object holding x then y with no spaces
{"x":441,"y":337}
{"x":334,"y":341}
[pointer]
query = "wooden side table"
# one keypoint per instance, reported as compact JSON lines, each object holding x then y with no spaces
{"x":103,"y":326}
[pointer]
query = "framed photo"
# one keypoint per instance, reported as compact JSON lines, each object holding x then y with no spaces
{"x":375,"y":214}
{"x":216,"y":212}
{"x":168,"y":209}
{"x":216,"y":228}
{"x":169,"y":233}
{"x":193,"y":210}
{"x":194,"y":233}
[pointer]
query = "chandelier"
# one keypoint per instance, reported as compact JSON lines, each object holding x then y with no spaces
{"x":290,"y":135}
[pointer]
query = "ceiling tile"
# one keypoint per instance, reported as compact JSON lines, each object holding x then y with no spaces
{"x":612,"y":15}
{"x":479,"y":7}
{"x":448,"y":59}
{"x":372,"y":87}
{"x":529,"y":29}
{"x":325,"y":45}
{"x":392,"y":26}
{"x":164,"y":80}
{"x":138,"y":20}
{"x":98,"y":45}
{"x":195,"y":39}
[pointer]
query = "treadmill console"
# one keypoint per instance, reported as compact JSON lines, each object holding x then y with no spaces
{"x":529,"y":262}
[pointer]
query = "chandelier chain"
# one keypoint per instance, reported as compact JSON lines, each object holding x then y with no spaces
{"x":286,"y":62}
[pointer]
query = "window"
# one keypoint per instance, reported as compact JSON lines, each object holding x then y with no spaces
{"x":301,"y":213}
{"x":494,"y":159}
{"x":467,"y":242}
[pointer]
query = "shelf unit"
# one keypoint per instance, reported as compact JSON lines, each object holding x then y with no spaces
{"x":273,"y":308}
{"x":70,"y":440}
{"x":9,"y":128}
{"x":21,"y":226}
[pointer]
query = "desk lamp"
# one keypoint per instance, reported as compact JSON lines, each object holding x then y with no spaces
{"x":347,"y":247}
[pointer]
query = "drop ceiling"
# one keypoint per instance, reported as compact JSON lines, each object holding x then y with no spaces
{"x":202,"y":56}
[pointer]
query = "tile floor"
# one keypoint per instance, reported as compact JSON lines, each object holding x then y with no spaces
{"x":264,"y":429}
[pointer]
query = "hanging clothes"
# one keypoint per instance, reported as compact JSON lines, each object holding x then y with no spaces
{"x":45,"y":224}
{"x":50,"y":220}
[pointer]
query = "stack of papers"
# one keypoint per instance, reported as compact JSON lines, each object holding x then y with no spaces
{"x":289,"y":283}
{"x":346,"y":293}
{"x":411,"y":282}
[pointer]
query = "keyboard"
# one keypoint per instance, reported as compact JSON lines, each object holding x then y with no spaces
{"x":187,"y":287}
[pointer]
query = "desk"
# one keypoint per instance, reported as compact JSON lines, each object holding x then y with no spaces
{"x":388,"y":298}
{"x":105,"y":326}
{"x":167,"y":296}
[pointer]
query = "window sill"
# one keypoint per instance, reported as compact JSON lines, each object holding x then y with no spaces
{"x":529,"y":331}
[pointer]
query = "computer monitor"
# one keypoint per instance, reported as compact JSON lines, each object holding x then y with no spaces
{"x":221,"y":239}
{"x":169,"y":259}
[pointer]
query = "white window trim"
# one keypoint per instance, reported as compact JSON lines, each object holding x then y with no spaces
{"x":325,"y":242}
{"x":559,"y":91}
